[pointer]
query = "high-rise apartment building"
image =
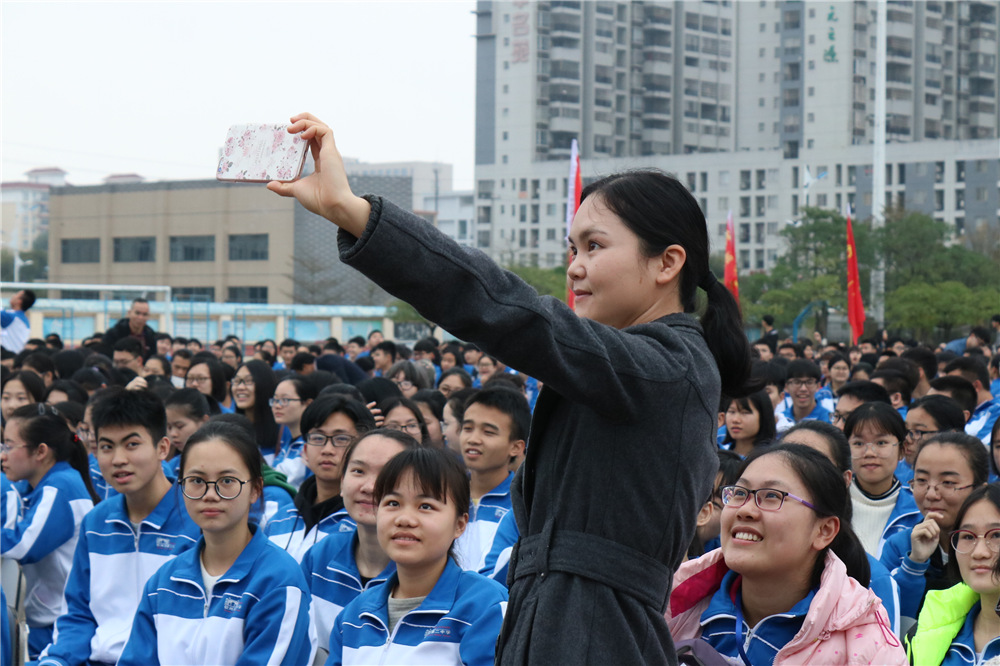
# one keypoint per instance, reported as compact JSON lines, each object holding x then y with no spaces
{"x":792,"y":83}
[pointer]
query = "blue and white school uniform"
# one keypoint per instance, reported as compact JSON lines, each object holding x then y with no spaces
{"x":43,"y":540}
{"x":819,"y":413}
{"x":962,"y":651}
{"x":498,"y":559}
{"x":981,"y":422}
{"x":110,"y":568}
{"x":14,"y":330}
{"x":474,"y":545}
{"x":334,"y":580}
{"x":10,"y":508}
{"x":257,"y":613}
{"x":276,"y":501}
{"x":824,"y":396}
{"x":289,"y":460}
{"x":909,"y":575}
{"x":287,"y":530}
{"x":101,"y":487}
{"x":457,"y":623}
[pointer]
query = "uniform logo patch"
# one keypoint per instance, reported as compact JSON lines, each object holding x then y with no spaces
{"x":163,"y":543}
{"x":438,"y":632}
{"x":232,"y":605}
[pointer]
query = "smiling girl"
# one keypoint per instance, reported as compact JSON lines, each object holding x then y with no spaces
{"x":789,"y":585}
{"x":290,"y":400}
{"x":253,"y":385}
{"x":342,"y":566}
{"x":960,"y":625}
{"x":429,"y":610}
{"x":235,"y":598}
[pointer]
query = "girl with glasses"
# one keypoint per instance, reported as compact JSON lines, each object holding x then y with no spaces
{"x":329,"y":424}
{"x":948,"y":467}
{"x":235,"y":597}
{"x":789,"y":584}
{"x":404,"y":414}
{"x":960,"y":625}
{"x":293,"y":395}
{"x":882,"y":505}
{"x":927,"y":417}
{"x":209,"y":377}
{"x":252,"y":387}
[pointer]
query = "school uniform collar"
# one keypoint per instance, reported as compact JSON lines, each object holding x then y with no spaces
{"x":502,"y":489}
{"x":60,"y":466}
{"x":189,"y":563}
{"x":165,"y":508}
{"x":342,"y":560}
{"x":439,"y":601}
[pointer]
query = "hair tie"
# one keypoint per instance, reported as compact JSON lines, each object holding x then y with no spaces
{"x":708,"y":281}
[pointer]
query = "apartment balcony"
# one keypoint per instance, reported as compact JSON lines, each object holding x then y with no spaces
{"x":661,"y":67}
{"x":658,"y":135}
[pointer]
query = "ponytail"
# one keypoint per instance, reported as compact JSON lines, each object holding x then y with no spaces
{"x":661,"y":212}
{"x":41,"y":423}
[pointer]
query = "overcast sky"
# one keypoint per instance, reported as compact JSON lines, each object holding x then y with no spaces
{"x":151,"y":88}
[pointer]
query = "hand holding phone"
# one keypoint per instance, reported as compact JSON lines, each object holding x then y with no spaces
{"x":260,"y":153}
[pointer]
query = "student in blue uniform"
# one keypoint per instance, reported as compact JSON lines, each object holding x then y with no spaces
{"x":960,"y":625}
{"x":49,"y":467}
{"x":235,"y":598}
{"x":429,"y":611}
{"x":126,"y":538}
{"x":329,"y":425}
{"x":291,"y":398}
{"x":187,"y":410}
{"x":345,"y":564}
{"x":494,"y":429}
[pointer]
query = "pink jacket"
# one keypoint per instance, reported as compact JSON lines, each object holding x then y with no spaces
{"x":846,"y":623}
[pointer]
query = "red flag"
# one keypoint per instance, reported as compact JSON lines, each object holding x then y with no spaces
{"x":572,"y":204}
{"x":855,"y":306}
{"x":731,"y":280}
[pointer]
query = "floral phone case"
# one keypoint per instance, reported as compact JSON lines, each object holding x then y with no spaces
{"x":261,"y":152}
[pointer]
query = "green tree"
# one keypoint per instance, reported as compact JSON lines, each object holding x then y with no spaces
{"x":546,"y":281}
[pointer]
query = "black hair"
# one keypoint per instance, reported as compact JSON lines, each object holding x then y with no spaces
{"x":908,"y":369}
{"x":993,"y":447}
{"x":865,"y":391}
{"x":31,"y":382}
{"x":923,"y":358}
{"x":512,"y":403}
{"x":392,"y":403}
{"x":71,"y":411}
{"x":289,"y":342}
{"x":235,"y":348}
{"x":861,"y":366}
{"x":457,"y":371}
{"x":833,"y":357}
{"x":433,"y":399}
{"x":41,"y":423}
{"x":982,"y":333}
{"x":840,"y":449}
{"x":894,"y":382}
{"x":760,"y":402}
{"x":988,"y":493}
{"x":457,"y":400}
{"x":398,"y":436}
{"x":972,"y":369}
{"x":191,"y":401}
{"x":881,"y":417}
{"x":40,"y":362}
{"x":129,"y":345}
{"x":264,"y":383}
{"x":320,"y":409}
{"x":162,"y":336}
{"x":164,"y":364}
{"x":74,"y":392}
{"x":945,"y":411}
{"x":27,"y":299}
{"x":730,"y":463}
{"x":183,"y":353}
{"x":959,"y":388}
{"x":217,"y":375}
{"x":304,"y":388}
{"x":240,"y":441}
{"x":435,"y":471}
{"x":661,"y":212}
{"x":456,"y":352}
{"x":430,"y":346}
{"x":120,"y":407}
{"x":829,"y":497}
{"x":388,"y":346}
{"x":358,"y":340}
{"x":970,"y":447}
{"x":410,"y":372}
{"x":365,"y":363}
{"x":350,"y":390}
{"x":377,"y":389}
{"x":67,"y":361}
{"x":794,"y":347}
{"x":770,"y":372}
{"x":801,"y":367}
{"x":299,"y":361}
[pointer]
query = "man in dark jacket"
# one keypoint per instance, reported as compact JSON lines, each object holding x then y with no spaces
{"x":134,"y":325}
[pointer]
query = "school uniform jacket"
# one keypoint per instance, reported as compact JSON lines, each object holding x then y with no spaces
{"x":904,"y":517}
{"x":939,"y":638}
{"x":620,"y":455}
{"x":334,"y":580}
{"x":258,"y":613}
{"x":913,"y":578}
{"x":287,"y":529}
{"x":44,"y":537}
{"x":474,"y":545}
{"x":457,"y":623}
{"x":110,"y":568}
{"x":498,"y":559}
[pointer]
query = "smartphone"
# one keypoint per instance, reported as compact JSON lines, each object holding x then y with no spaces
{"x":260,"y":152}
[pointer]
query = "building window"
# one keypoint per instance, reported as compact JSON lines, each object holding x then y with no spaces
{"x":81,"y":250}
{"x":135,"y":249}
{"x":247,"y":295}
{"x":248,"y":247}
{"x":196,"y":294}
{"x":192,"y":248}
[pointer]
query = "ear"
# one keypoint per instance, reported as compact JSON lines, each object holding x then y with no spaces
{"x":827,"y":530}
{"x":896,"y":398}
{"x":460,"y":524}
{"x":42,"y":451}
{"x":849,"y":475}
{"x":705,"y":515}
{"x":967,"y":415}
{"x":163,"y":448}
{"x":670,"y":263}
{"x":516,"y":448}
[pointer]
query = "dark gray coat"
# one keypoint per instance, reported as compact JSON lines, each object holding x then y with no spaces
{"x":620,"y":458}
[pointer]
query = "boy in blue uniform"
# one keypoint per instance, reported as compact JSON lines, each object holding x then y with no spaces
{"x":494,"y":429}
{"x":802,"y":384}
{"x":126,"y":538}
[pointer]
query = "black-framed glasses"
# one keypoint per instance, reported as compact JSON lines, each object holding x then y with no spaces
{"x":340,"y":441}
{"x":799,"y":383}
{"x":197,"y":380}
{"x":881,"y":448}
{"x":767,"y":499}
{"x":945,"y":488}
{"x":239,"y":381}
{"x":918,"y":435}
{"x":965,"y":541}
{"x":404,"y":384}
{"x":282,"y":402}
{"x":411,"y":428}
{"x":226,"y":487}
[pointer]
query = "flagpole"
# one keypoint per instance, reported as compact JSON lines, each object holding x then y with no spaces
{"x":878,"y":162}
{"x":574,"y":185}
